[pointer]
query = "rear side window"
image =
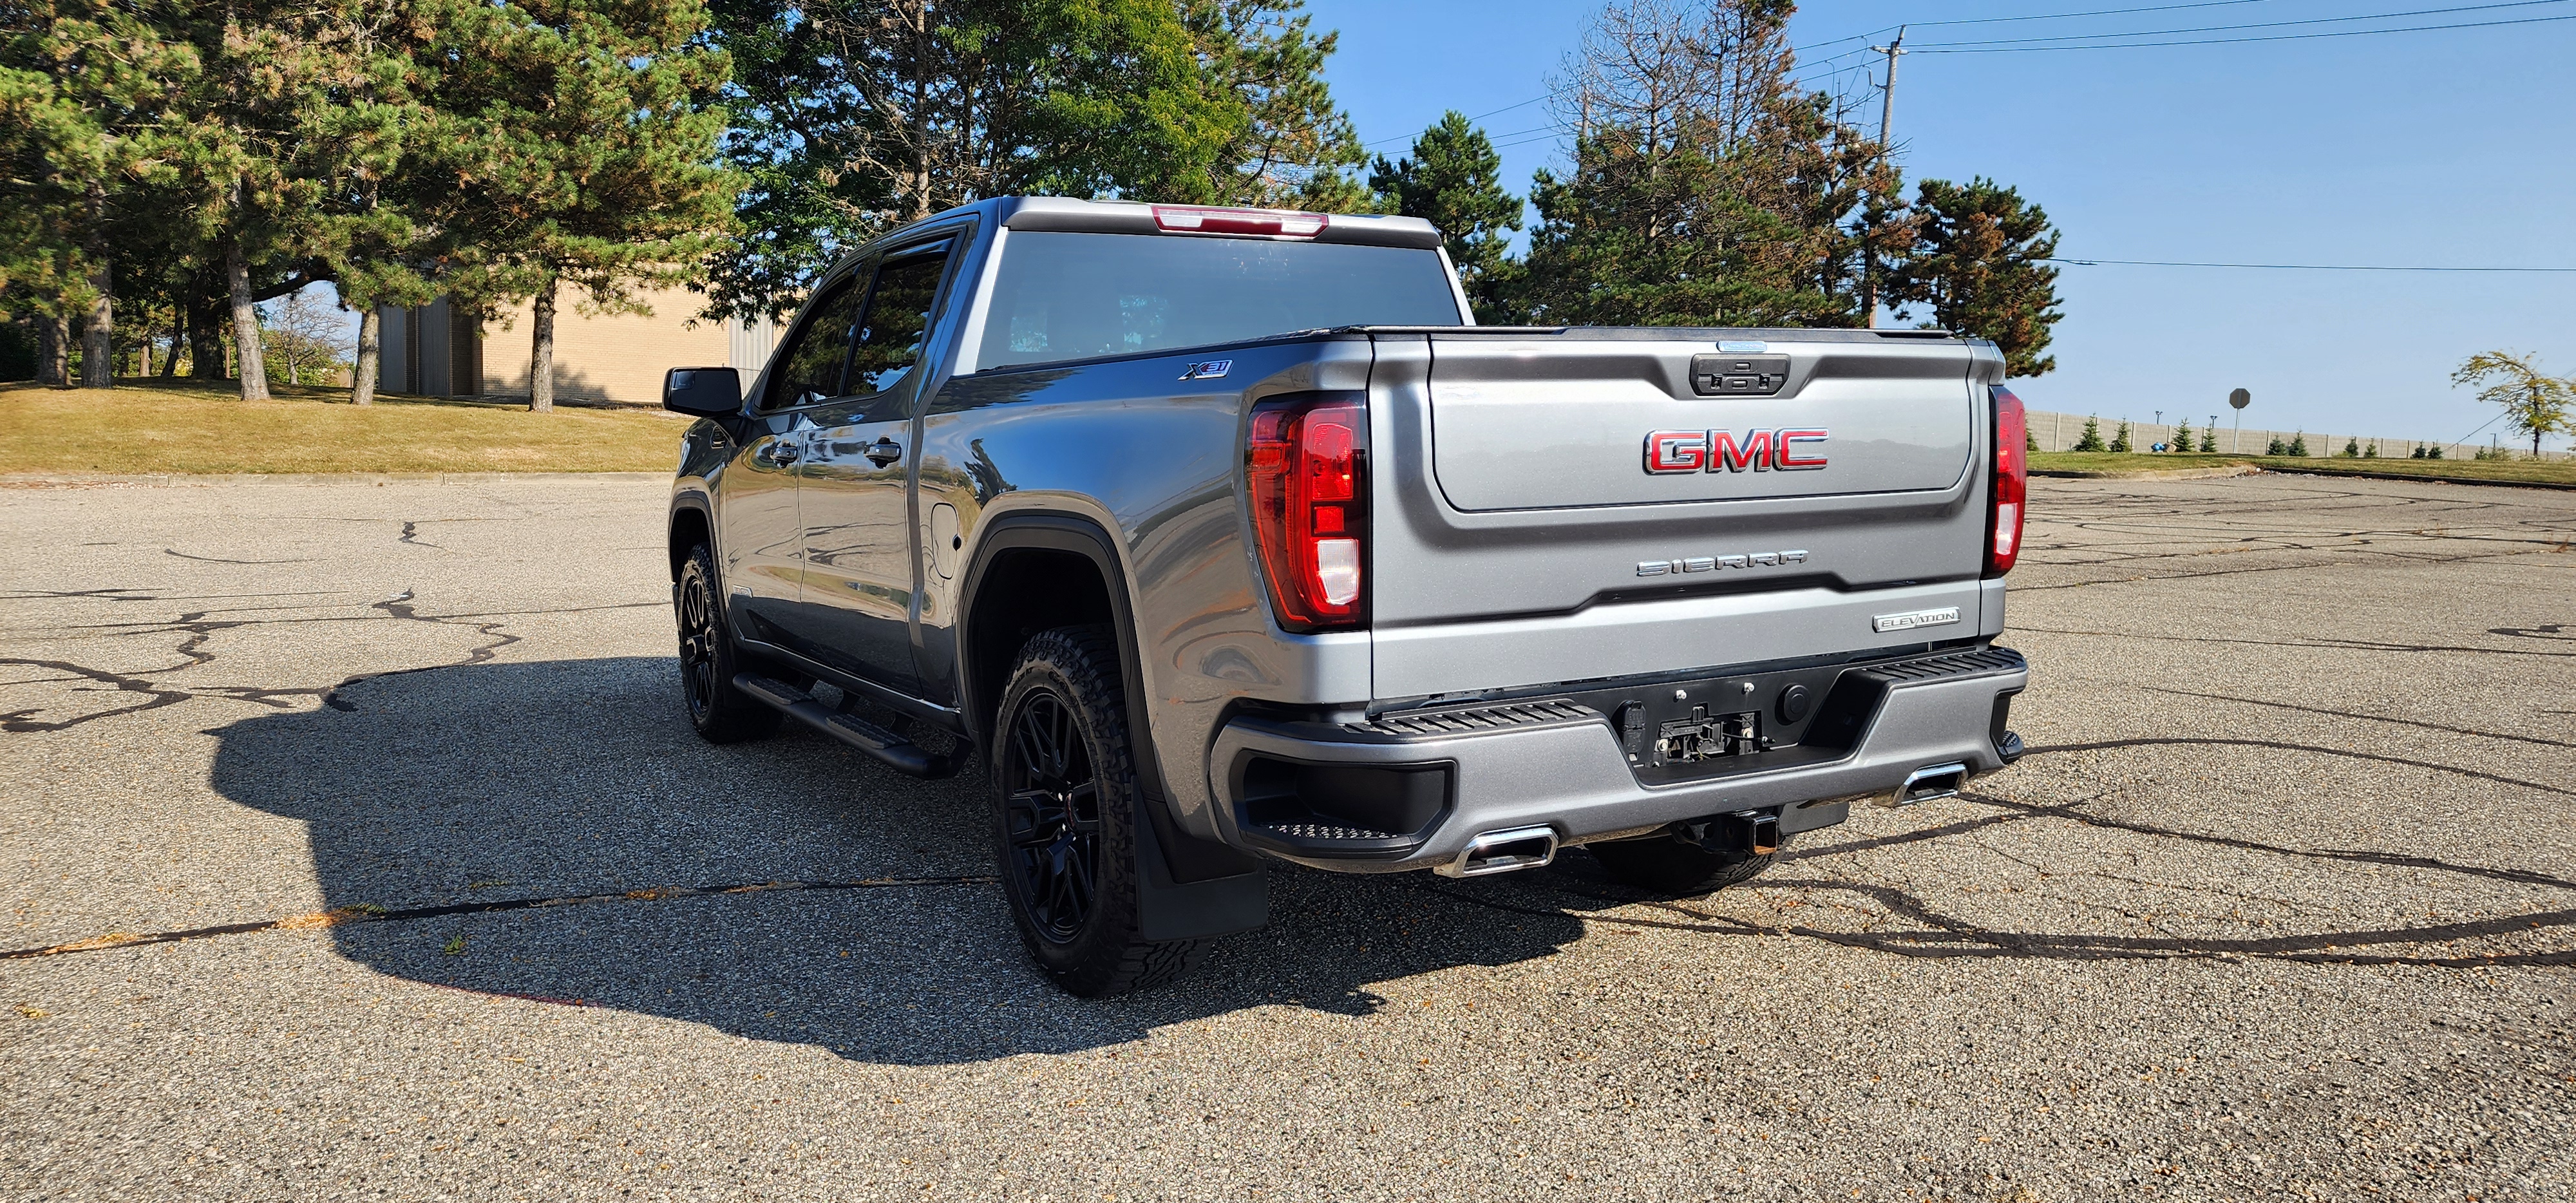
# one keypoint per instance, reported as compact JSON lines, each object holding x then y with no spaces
{"x":809,"y":370}
{"x":1065,"y":296}
{"x":889,"y":342}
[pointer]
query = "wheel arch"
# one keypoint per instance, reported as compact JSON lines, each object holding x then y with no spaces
{"x":691,"y":524}
{"x":998,"y":611}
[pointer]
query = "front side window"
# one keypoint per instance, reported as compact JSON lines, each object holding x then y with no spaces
{"x":1060,"y":296}
{"x":809,"y":370}
{"x":898,"y":320}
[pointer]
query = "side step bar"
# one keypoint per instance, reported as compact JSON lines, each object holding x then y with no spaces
{"x":892,"y":750}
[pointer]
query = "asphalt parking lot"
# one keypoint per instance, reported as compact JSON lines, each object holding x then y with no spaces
{"x":2283,"y":902}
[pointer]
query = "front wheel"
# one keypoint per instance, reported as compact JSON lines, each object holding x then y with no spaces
{"x":1065,"y":798}
{"x":721,"y":713}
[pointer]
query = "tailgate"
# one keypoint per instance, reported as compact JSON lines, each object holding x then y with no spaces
{"x":1559,"y":506}
{"x":1565,"y":422}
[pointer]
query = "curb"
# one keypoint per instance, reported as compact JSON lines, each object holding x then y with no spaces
{"x":2155,"y":473}
{"x":77,"y":479}
{"x":2320,"y":473}
{"x":2443,"y":480}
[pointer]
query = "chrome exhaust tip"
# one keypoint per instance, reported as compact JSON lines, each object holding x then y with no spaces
{"x":1930,"y":783}
{"x":1503,"y":852}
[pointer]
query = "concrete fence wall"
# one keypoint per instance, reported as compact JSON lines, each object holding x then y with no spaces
{"x":2059,"y":432}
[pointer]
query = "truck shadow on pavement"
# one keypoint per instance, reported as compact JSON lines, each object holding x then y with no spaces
{"x":553,"y":831}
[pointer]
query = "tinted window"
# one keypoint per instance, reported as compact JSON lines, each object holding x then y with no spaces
{"x":1073,"y":296}
{"x":898,"y":317}
{"x":809,"y":370}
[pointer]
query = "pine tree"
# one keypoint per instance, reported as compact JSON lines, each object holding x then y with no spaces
{"x":853,"y":116}
{"x":2433,"y":452}
{"x":2182,"y":436}
{"x":2277,"y":447}
{"x":2209,"y":437}
{"x":1982,"y":269}
{"x":2092,"y":440}
{"x":86,"y":90}
{"x":1453,"y":180}
{"x":2352,"y":448}
{"x":2120,"y":441}
{"x":579,"y":137}
{"x":1287,"y":143}
{"x":2299,"y":444}
{"x":1704,"y":190}
{"x":2370,"y":452}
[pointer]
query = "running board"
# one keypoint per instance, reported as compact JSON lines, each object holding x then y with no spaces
{"x":892,"y":750}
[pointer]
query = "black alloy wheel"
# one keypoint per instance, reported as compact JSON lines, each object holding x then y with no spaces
{"x":699,"y":638}
{"x":1066,"y":828}
{"x":1051,"y":811}
{"x":708,"y":660}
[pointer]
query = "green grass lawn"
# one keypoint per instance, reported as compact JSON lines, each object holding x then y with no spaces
{"x":2529,"y":471}
{"x":186,"y":426}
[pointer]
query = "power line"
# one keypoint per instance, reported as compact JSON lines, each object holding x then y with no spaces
{"x":2303,"y":267}
{"x":2152,"y":33}
{"x":1478,"y":117}
{"x":2099,"y":12}
{"x":2106,"y":12}
{"x":1970,"y":48}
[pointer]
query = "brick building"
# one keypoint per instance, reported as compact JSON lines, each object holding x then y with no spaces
{"x":435,"y":350}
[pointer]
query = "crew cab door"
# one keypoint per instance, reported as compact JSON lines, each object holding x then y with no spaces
{"x":763,"y":529}
{"x":856,"y":475}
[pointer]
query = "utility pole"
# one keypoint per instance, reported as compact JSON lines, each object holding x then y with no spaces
{"x":1887,"y":95}
{"x":1886,"y":122}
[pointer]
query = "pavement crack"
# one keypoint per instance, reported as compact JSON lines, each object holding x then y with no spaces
{"x":2286,"y":746}
{"x":2375,"y":718}
{"x":153,"y":696}
{"x":368,"y":913}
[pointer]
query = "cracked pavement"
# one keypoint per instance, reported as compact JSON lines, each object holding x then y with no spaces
{"x":358,"y":850}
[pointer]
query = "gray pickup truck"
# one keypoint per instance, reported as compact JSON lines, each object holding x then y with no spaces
{"x":1221,"y":536}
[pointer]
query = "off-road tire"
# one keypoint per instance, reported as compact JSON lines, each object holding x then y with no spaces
{"x":1665,"y":864}
{"x":1072,"y":673}
{"x":721,"y":713}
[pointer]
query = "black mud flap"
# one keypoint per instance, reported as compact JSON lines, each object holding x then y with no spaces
{"x":1170,"y":909}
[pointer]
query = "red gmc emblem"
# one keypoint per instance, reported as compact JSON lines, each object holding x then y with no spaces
{"x":1672,"y":452}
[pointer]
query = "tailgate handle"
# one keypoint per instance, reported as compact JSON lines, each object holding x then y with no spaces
{"x":1739,"y":375}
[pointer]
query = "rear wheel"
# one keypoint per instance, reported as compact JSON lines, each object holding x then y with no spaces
{"x":1065,"y":797}
{"x":708,"y":659}
{"x":1669,"y":864}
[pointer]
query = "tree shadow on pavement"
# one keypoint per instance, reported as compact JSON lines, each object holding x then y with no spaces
{"x":470,"y":791}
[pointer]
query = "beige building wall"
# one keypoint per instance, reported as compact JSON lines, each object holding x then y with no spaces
{"x":606,"y":357}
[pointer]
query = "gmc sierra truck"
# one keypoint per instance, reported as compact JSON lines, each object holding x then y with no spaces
{"x":1219,"y":536}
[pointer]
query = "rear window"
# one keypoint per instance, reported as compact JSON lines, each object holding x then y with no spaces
{"x":1073,"y":296}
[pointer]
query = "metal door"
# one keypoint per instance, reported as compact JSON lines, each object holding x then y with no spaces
{"x":763,"y":525}
{"x":859,"y":569}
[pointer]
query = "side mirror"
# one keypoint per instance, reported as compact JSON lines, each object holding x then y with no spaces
{"x":703,"y":392}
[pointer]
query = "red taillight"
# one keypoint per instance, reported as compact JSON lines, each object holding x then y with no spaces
{"x":1202,"y":219}
{"x":1307,"y":466}
{"x":2012,"y":483}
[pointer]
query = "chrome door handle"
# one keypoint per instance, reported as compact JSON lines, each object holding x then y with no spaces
{"x":777,"y":453}
{"x":884,"y":451}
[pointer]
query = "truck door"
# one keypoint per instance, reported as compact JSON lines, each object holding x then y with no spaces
{"x":856,"y":472}
{"x":764,"y":535}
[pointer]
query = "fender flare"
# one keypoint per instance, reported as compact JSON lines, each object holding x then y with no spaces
{"x":692,"y":500}
{"x":1193,"y":887}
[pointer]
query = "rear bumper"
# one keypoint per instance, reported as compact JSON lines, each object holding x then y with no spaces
{"x":1560,"y":765}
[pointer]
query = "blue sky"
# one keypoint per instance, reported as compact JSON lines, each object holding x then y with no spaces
{"x":2438,"y":147}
